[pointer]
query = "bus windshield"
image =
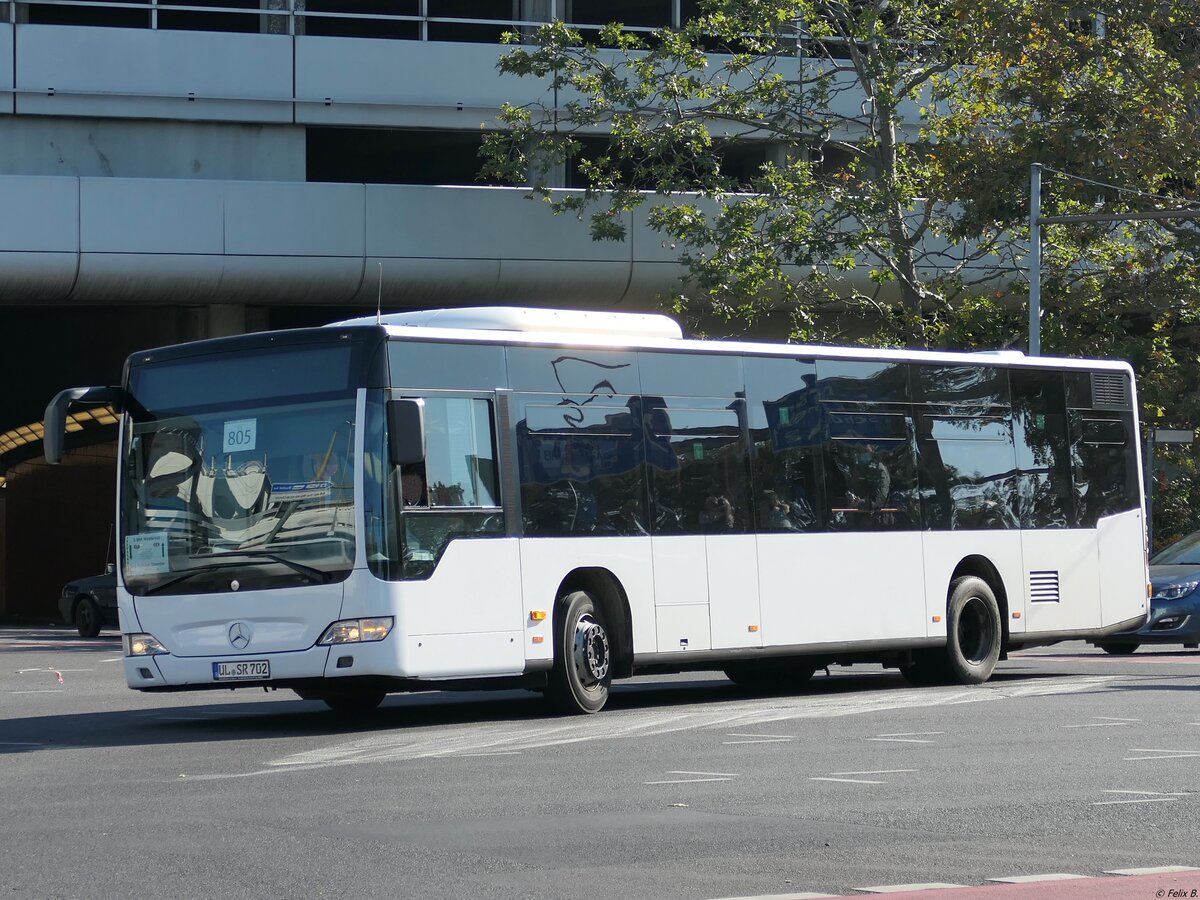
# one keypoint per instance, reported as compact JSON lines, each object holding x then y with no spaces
{"x":237,"y":495}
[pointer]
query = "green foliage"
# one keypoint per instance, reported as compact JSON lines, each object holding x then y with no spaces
{"x":899,"y":129}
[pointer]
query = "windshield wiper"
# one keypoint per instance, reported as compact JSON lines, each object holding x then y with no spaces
{"x":318,"y":575}
{"x":315,"y":576}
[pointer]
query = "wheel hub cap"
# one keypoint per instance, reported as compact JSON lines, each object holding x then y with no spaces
{"x":591,"y":651}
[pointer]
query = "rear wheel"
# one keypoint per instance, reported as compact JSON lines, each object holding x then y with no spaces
{"x":582,"y":669}
{"x":1118,"y":649}
{"x":87,"y":617}
{"x":972,"y":631}
{"x":770,"y":676}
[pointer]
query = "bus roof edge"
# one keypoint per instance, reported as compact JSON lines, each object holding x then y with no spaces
{"x":533,"y":320}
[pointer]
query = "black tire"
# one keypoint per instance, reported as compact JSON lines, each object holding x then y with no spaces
{"x":973,"y":631}
{"x":582,"y":669}
{"x":353,"y":701}
{"x":87,"y":617}
{"x":770,"y":676}
{"x":1118,"y":649}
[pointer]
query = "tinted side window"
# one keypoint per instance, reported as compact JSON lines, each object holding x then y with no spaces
{"x":699,"y":481}
{"x":862,"y":381}
{"x":1045,"y":491}
{"x":788,"y":428}
{"x":1105,"y":473}
{"x":586,"y":479}
{"x":871,"y":471}
{"x":968,"y":472}
{"x":960,"y":385}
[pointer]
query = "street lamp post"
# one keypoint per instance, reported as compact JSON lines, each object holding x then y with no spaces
{"x":1035,"y":260}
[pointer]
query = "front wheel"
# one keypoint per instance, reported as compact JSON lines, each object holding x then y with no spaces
{"x":87,"y":617}
{"x":346,"y":701}
{"x":972,"y":631}
{"x":582,"y":656}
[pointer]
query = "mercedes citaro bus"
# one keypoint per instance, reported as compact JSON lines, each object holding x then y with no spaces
{"x":552,"y":499}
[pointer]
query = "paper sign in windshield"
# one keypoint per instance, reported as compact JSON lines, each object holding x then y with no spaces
{"x":301,"y":490}
{"x":146,"y":554}
{"x":240,"y":434}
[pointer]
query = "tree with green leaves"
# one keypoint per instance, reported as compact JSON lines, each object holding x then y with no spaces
{"x":894,"y":189}
{"x":898,"y":141}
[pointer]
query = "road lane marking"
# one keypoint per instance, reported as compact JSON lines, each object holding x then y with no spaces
{"x":419,"y":743}
{"x":42,"y":691}
{"x":1157,"y":870}
{"x":487,"y":753}
{"x":1150,"y":793}
{"x":877,"y":772}
{"x":1161,"y":754}
{"x":1143,"y":800}
{"x":1116,"y":719}
{"x":20,"y":744}
{"x":748,"y":735}
{"x":900,"y":888}
{"x":687,"y":780}
{"x":1030,"y":879}
{"x":719,"y":774}
{"x":849,"y":780}
{"x":899,"y":734}
{"x":901,"y":740}
{"x":761,"y":741}
{"x":1097,"y":725}
{"x":801,"y":896}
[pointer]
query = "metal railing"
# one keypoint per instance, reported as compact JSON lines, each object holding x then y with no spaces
{"x":421,"y":20}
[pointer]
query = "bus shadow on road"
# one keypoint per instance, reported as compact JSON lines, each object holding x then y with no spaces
{"x":284,"y":717}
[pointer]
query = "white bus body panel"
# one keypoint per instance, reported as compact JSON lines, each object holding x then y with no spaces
{"x":681,"y":593}
{"x":944,"y":550}
{"x":545,"y":562}
{"x":282,"y":620}
{"x":847,"y":587}
{"x":466,"y":618}
{"x":733,"y":590}
{"x":1061,"y":581}
{"x":1123,"y":575}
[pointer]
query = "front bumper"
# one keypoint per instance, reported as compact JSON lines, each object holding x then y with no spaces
{"x":169,"y":672}
{"x":1174,"y":622}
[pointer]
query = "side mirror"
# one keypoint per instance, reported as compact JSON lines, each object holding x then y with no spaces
{"x":54,"y":424}
{"x":406,"y":431}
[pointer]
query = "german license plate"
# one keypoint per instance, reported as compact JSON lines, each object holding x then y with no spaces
{"x":243,"y":670}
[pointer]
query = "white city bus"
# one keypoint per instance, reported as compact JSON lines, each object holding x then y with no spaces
{"x":502,"y":497}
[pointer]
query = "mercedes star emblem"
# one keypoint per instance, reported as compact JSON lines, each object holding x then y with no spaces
{"x":239,"y":635}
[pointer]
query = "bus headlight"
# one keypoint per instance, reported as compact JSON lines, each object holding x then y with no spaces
{"x":357,"y":631}
{"x":143,"y":645}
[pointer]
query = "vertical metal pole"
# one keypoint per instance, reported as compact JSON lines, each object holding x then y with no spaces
{"x":1035,"y":260}
{"x":1150,"y":490}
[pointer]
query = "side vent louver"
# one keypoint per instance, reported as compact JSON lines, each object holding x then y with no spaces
{"x":1110,"y":390}
{"x":1043,"y":586}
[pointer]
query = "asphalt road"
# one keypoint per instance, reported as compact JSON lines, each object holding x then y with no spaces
{"x":1068,"y":762}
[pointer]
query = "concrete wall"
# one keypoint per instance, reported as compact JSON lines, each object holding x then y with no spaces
{"x":123,"y":148}
{"x":187,"y":241}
